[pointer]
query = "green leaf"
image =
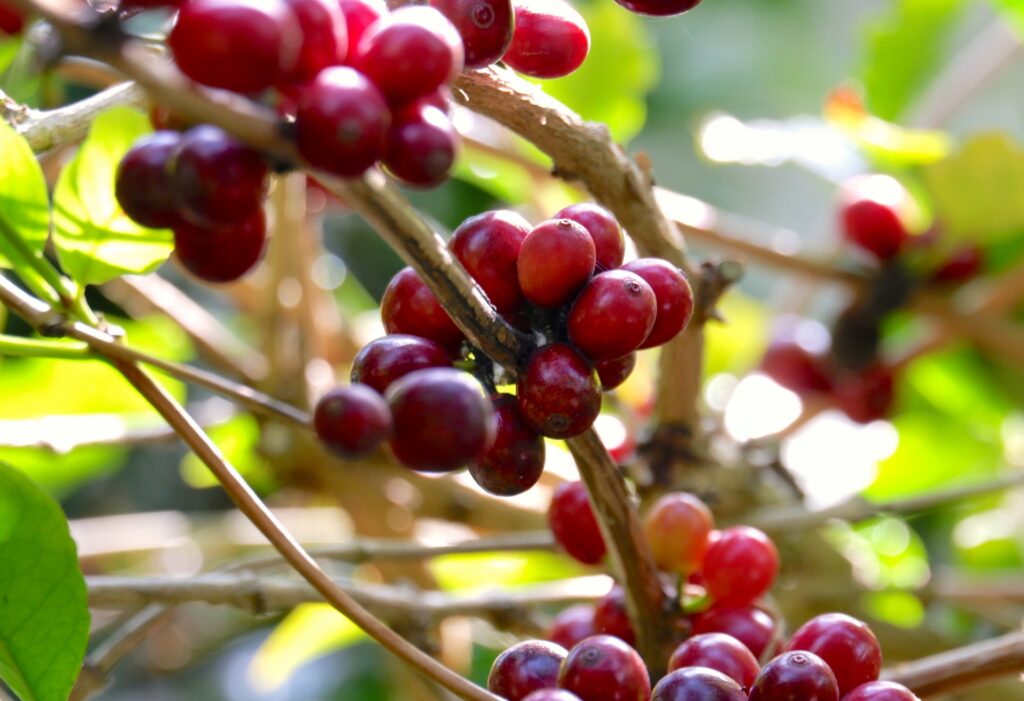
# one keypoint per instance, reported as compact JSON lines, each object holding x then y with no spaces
{"x":24,"y":204}
{"x":96,"y":241}
{"x":44,"y":614}
{"x":1013,"y":11}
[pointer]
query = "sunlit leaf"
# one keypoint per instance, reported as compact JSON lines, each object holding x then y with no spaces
{"x":737,"y":345}
{"x":24,"y":204}
{"x":238,"y":440}
{"x":1013,"y":10}
{"x":898,"y":608}
{"x":487,"y":570}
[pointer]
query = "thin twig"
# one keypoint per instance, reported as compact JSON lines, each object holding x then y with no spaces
{"x":962,"y":667}
{"x":45,"y":129}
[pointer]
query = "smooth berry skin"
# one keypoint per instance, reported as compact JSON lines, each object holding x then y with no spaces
{"x":515,"y":461}
{"x":558,"y":392}
{"x":881,"y":691}
{"x":524,"y":668}
{"x":421,"y":146}
{"x":409,"y":307}
{"x":609,"y":244}
{"x":740,"y":566}
{"x":410,"y":52}
{"x":795,"y":676}
{"x":488,"y":247}
{"x":574,"y":525}
{"x":484,"y":25}
{"x":359,"y":16}
{"x":867,"y":395}
{"x":613,"y":373}
{"x":341,"y":122}
{"x":216,"y":179}
{"x":240,"y":45}
{"x":846,"y":644}
{"x":572,"y":625}
{"x":550,"y":39}
{"x":142,"y":184}
{"x":659,"y":8}
{"x":221,"y":255}
{"x":604,"y":668}
{"x":382,"y":361}
{"x":796,"y":368}
{"x":324,"y":38}
{"x":752,"y":626}
{"x":674,"y":295}
{"x":870,"y":208}
{"x":613,"y":315}
{"x":612,"y":618}
{"x":677,"y":528}
{"x":12,"y":21}
{"x":697,"y":683}
{"x":719,"y":652}
{"x":556,"y":260}
{"x":352,"y":421}
{"x":442,"y":420}
{"x":552,"y":695}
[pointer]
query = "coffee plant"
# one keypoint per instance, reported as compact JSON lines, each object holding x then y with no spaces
{"x":347,"y":352}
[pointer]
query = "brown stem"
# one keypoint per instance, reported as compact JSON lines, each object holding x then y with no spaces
{"x":962,"y":667}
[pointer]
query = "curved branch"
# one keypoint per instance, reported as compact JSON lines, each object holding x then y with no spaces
{"x":962,"y":667}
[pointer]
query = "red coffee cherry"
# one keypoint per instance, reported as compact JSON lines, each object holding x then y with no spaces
{"x":795,"y":675}
{"x":359,"y":15}
{"x":962,"y":265}
{"x":674,"y":295}
{"x":609,"y":243}
{"x":524,"y":668}
{"x":872,"y":210}
{"x":603,"y":668}
{"x":697,"y":684}
{"x":572,"y":625}
{"x":556,"y":259}
{"x":846,"y":644}
{"x":488,"y":247}
{"x":750,"y":625}
{"x":574,"y":525}
{"x":881,"y":691}
{"x":409,"y":307}
{"x":484,"y":25}
{"x":221,"y":255}
{"x":720,"y":652}
{"x":658,"y":8}
{"x":421,"y":145}
{"x":550,"y":39}
{"x":867,"y":395}
{"x":613,"y":373}
{"x":740,"y":566}
{"x":515,"y":461}
{"x":558,"y":392}
{"x":677,"y":527}
{"x":142,"y":184}
{"x":796,"y":368}
{"x":382,"y":361}
{"x":352,"y":421}
{"x":613,"y":315}
{"x":612,"y":618}
{"x":552,"y":695}
{"x":324,"y":38}
{"x":12,"y":21}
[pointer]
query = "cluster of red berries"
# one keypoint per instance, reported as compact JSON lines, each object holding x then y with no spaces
{"x":590,"y":654}
{"x":206,"y":186}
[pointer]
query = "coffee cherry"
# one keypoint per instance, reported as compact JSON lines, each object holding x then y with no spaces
{"x":383,"y":360}
{"x":881,"y":691}
{"x":658,"y":8}
{"x":867,"y":395}
{"x":409,"y":307}
{"x":556,"y":259}
{"x":558,"y":392}
{"x":142,"y":184}
{"x":550,"y":39}
{"x":221,"y":255}
{"x":603,"y":228}
{"x":12,"y":21}
{"x":484,"y":25}
{"x":603,"y":668}
{"x":341,"y":122}
{"x":572,"y":625}
{"x":442,"y":420}
{"x":241,"y":45}
{"x":740,"y":566}
{"x":962,"y":265}
{"x":515,"y":461}
{"x":552,"y":695}
{"x":524,"y":668}
{"x":352,"y":421}
{"x":613,"y":315}
{"x":674,"y":295}
{"x":411,"y":52}
{"x":795,"y":676}
{"x":720,"y":652}
{"x":796,"y":368}
{"x":697,"y":683}
{"x":421,"y":145}
{"x":677,"y":528}
{"x":750,"y":625}
{"x":613,"y":373}
{"x":324,"y":38}
{"x":217,"y":180}
{"x":872,"y":210}
{"x":359,"y":15}
{"x":847,"y":645}
{"x":612,"y":618}
{"x":574,"y":525}
{"x":488,"y":247}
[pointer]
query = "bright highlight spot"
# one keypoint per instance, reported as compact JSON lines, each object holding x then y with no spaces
{"x":760,"y":407}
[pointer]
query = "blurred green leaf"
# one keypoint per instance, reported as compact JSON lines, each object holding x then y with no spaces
{"x":8,"y":51}
{"x":1014,"y":12}
{"x":499,"y":176}
{"x":958,"y":383}
{"x":487,"y":571}
{"x":96,"y":241}
{"x":24,"y":203}
{"x":737,"y":345}
{"x":238,"y":439}
{"x":898,"y":608}
{"x":44,"y":616}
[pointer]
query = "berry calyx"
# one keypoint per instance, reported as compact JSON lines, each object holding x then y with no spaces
{"x":221,"y":255}
{"x":881,"y":691}
{"x":324,"y":38}
{"x":740,"y":566}
{"x":558,"y":392}
{"x":515,"y":461}
{"x":409,"y":307}
{"x":795,"y":675}
{"x":846,"y":644}
{"x":421,"y":145}
{"x":574,"y":525}
{"x":142,"y":184}
{"x":524,"y":668}
{"x":720,"y":652}
{"x":873,"y":209}
{"x":603,"y":668}
{"x":677,"y":527}
{"x":673,"y":294}
{"x":613,"y":373}
{"x":697,"y":683}
{"x":488,"y":247}
{"x":556,"y":259}
{"x":550,"y":39}
{"x":352,"y":421}
{"x":613,"y":315}
{"x":609,"y":244}
{"x":484,"y":25}
{"x":382,"y":361}
{"x":572,"y":625}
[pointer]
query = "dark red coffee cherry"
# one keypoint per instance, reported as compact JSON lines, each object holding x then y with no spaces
{"x":677,"y":527}
{"x":612,"y":618}
{"x":552,"y":695}
{"x":740,"y":566}
{"x":488,"y":247}
{"x":674,"y":295}
{"x":383,"y":360}
{"x":142,"y":184}
{"x":359,"y":15}
{"x":408,"y":306}
{"x":962,"y":265}
{"x":558,"y":392}
{"x":484,"y":25}
{"x":658,"y":8}
{"x":550,"y":39}
{"x":574,"y":525}
{"x":603,"y":668}
{"x":881,"y":691}
{"x":217,"y":180}
{"x":556,"y":259}
{"x":341,"y":123}
{"x":720,"y":652}
{"x":846,"y":644}
{"x":871,"y":209}
{"x":241,"y":45}
{"x":867,"y":395}
{"x":796,"y":368}
{"x":12,"y":21}
{"x":697,"y":683}
{"x":603,"y":228}
{"x":324,"y":38}
{"x":613,"y":373}
{"x":572,"y":625}
{"x":515,"y":461}
{"x":524,"y":668}
{"x":221,"y":255}
{"x":750,"y":625}
{"x":613,"y":315}
{"x":421,"y":145}
{"x":411,"y":52}
{"x":352,"y":421}
{"x":442,"y":420}
{"x":795,"y":676}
